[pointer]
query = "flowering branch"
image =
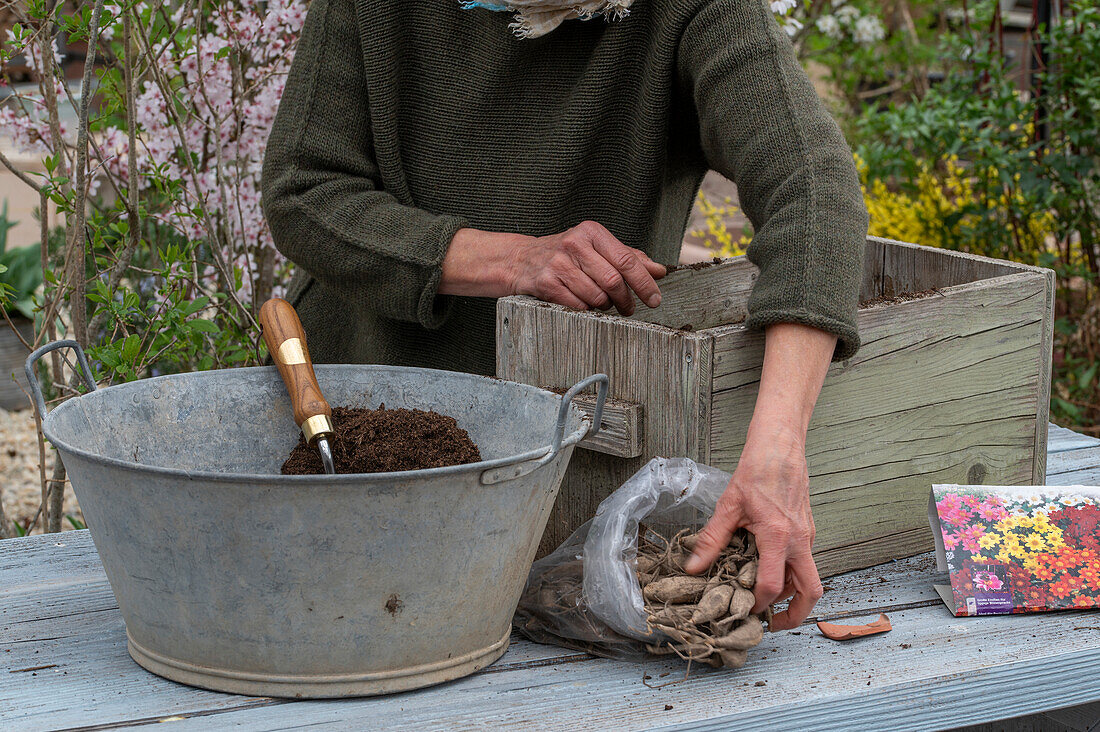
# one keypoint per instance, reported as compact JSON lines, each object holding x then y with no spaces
{"x":78,"y":305}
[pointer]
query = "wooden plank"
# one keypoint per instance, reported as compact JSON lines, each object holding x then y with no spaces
{"x":874,"y":262}
{"x":697,"y":397}
{"x":884,"y":516}
{"x":713,"y":295}
{"x":898,"y":585}
{"x":944,"y":388}
{"x":906,"y":679}
{"x":903,"y":680}
{"x":1060,"y":439}
{"x":1080,"y":477}
{"x":1075,"y":462}
{"x":665,"y":371}
{"x":863,"y":553}
{"x":913,"y":268}
{"x":911,"y":442}
{"x":718,"y":294}
{"x":1074,"y":467}
{"x":1046,"y":355}
{"x":621,"y":427}
{"x":650,"y":366}
{"x":913,"y":325}
{"x":515,"y":331}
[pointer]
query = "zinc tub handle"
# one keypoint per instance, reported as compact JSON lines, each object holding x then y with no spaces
{"x":32,"y":380}
{"x":529,"y":462}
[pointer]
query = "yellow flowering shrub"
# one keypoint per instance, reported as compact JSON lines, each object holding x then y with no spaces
{"x":941,"y":207}
{"x":944,"y":210}
{"x":717,"y":235}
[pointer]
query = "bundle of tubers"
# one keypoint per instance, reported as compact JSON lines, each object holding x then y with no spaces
{"x":707,"y":618}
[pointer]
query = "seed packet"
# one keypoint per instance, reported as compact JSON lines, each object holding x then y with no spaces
{"x":1017,"y":549}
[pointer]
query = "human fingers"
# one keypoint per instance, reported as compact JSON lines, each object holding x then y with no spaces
{"x":716,"y":535}
{"x":770,"y":572}
{"x":807,"y":591}
{"x":551,"y":288}
{"x":607,"y":278}
{"x":656,"y":269}
{"x":585,"y":288}
{"x":628,"y":263}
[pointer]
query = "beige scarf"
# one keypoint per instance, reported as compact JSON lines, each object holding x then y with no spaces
{"x":536,"y":18}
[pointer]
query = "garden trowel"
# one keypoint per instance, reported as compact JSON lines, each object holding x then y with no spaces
{"x":286,"y":342}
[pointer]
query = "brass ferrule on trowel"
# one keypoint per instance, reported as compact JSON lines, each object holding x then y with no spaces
{"x":319,"y":425}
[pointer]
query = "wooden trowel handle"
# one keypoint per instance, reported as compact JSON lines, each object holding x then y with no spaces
{"x":286,"y":341}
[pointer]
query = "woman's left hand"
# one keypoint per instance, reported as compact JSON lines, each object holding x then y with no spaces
{"x":769,"y":495}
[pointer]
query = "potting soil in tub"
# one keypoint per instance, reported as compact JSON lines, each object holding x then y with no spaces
{"x":386,"y":440}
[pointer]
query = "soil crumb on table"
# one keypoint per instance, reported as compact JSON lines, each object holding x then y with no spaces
{"x":386,"y":440}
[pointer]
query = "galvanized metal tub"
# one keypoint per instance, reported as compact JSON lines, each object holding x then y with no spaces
{"x":232,"y":577}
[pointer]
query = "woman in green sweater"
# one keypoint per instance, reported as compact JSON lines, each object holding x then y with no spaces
{"x":427,"y":159}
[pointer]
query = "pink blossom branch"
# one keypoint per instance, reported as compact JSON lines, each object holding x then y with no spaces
{"x":165,"y":90}
{"x":132,"y":199}
{"x":78,"y":304}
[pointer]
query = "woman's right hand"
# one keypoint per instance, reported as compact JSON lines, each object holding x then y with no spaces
{"x":582,"y":268}
{"x":587,"y":267}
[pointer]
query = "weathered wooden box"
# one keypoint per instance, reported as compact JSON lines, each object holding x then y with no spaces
{"x":949,"y":387}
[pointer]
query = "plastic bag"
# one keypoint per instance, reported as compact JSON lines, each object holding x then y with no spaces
{"x":585,"y":594}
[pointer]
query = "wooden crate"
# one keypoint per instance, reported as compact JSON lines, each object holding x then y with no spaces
{"x":952,"y":387}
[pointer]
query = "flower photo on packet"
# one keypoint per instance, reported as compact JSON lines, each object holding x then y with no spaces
{"x":1017,"y":549}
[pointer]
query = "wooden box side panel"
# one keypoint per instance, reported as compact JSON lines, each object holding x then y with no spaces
{"x":913,"y":268}
{"x":945,"y":389}
{"x":718,"y":294}
{"x":1046,"y":355}
{"x":666,"y":372}
{"x":873,"y":260}
{"x":715,"y":294}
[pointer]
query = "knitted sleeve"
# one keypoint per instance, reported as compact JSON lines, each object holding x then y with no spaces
{"x":763,"y":126}
{"x":322,"y":191}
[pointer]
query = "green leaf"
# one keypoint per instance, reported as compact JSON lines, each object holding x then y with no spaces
{"x":1085,"y":378}
{"x":130,"y":348}
{"x":109,"y":357}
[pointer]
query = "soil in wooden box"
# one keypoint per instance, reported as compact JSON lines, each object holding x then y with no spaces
{"x":387,"y":440}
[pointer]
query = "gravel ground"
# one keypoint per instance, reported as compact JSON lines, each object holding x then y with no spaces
{"x":20,"y":487}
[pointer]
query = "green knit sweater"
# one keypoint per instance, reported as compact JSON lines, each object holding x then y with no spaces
{"x":403,"y":121}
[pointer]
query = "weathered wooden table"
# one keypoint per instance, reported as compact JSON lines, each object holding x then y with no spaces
{"x":63,"y":664}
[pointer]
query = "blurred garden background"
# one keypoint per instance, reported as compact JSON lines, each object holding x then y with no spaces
{"x":132,"y":135}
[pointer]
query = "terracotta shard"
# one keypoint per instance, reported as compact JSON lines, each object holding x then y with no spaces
{"x":847,"y":632}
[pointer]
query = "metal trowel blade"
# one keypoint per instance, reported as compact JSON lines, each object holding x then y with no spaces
{"x":326,"y":455}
